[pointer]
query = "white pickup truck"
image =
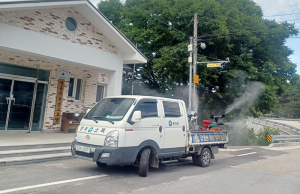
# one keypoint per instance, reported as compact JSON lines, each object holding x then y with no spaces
{"x":143,"y":131}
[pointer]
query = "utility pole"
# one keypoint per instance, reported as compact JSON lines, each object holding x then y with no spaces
{"x":195,"y":61}
{"x":191,"y":80}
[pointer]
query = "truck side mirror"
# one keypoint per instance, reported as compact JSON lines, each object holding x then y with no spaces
{"x":136,"y":117}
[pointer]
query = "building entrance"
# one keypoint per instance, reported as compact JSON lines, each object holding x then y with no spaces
{"x":22,"y":102}
{"x":16,"y":104}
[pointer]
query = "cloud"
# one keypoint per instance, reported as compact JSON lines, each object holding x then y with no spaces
{"x":272,"y":9}
{"x":277,"y":7}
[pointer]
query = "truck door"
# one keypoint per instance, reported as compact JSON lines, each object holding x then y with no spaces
{"x":174,"y":128}
{"x":150,"y":127}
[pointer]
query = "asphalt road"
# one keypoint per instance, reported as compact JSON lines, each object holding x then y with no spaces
{"x":235,"y":170}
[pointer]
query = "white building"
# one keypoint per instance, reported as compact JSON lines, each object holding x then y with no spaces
{"x":43,"y":40}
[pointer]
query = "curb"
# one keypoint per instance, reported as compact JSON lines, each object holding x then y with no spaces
{"x":12,"y":163}
{"x":284,"y":144}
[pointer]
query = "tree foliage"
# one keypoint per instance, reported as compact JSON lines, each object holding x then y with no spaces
{"x":290,"y":100}
{"x":230,"y":28}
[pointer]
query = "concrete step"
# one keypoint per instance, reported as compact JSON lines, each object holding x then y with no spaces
{"x":37,"y":151}
{"x":26,"y":154}
{"x":9,"y":161}
{"x":34,"y":146}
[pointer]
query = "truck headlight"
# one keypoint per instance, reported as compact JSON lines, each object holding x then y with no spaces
{"x":111,"y":139}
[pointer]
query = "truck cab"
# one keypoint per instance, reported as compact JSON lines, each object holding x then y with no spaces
{"x":140,"y":130}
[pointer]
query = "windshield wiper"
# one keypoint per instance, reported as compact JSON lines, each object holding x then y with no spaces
{"x":100,"y":118}
{"x":95,"y":120}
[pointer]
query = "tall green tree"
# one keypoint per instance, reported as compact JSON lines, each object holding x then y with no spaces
{"x":290,"y":100}
{"x":230,"y":28}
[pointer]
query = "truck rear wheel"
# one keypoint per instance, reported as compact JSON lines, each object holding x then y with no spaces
{"x":144,"y":163}
{"x":204,"y":158}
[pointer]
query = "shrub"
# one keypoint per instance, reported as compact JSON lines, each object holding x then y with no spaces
{"x":262,"y":136}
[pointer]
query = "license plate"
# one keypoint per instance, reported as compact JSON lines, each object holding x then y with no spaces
{"x":83,"y":149}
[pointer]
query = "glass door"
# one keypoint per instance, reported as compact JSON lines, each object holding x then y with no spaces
{"x":5,"y":88}
{"x":19,"y":109}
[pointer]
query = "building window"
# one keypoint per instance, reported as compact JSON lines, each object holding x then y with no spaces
{"x":171,"y":109}
{"x":100,"y":93}
{"x":71,"y":24}
{"x":75,"y":89}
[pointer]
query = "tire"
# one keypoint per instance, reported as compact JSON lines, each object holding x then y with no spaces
{"x":195,"y":160}
{"x":101,"y":165}
{"x":144,"y":163}
{"x":204,"y":158}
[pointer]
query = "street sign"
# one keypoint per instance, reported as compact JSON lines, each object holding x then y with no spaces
{"x":190,"y":60}
{"x":196,"y":79}
{"x":213,"y":64}
{"x":190,"y":47}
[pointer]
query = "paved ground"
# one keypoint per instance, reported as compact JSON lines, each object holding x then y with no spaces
{"x":235,"y":170}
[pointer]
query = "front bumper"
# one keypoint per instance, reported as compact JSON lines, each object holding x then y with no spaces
{"x":116,"y":154}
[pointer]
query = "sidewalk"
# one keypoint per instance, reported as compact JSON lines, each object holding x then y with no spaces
{"x":17,"y":139}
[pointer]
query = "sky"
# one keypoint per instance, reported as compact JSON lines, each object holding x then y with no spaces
{"x":277,"y":9}
{"x":271,"y":10}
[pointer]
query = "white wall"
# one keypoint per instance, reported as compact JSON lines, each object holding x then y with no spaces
{"x":35,"y":44}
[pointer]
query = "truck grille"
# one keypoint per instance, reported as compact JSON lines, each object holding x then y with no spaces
{"x":88,"y":155}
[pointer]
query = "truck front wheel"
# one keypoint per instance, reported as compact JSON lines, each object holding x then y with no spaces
{"x":204,"y":158}
{"x":144,"y":163}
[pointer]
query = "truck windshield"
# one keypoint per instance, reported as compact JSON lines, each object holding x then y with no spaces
{"x":110,"y":109}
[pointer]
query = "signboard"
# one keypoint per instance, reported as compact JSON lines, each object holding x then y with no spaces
{"x":59,"y":98}
{"x":213,"y":64}
{"x":202,"y":138}
{"x":196,"y":79}
{"x":63,"y":74}
{"x":190,"y":47}
{"x":190,"y":59}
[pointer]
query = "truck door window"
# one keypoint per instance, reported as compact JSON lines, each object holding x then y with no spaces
{"x":171,"y":109}
{"x":148,"y":109}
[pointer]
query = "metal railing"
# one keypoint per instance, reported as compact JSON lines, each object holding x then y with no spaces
{"x":287,"y":129}
{"x":283,"y":138}
{"x":285,"y":119}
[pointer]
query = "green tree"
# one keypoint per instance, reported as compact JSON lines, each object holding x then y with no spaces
{"x":290,"y":100}
{"x":230,"y":28}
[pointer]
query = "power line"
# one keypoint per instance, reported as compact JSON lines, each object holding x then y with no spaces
{"x":171,"y":26}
